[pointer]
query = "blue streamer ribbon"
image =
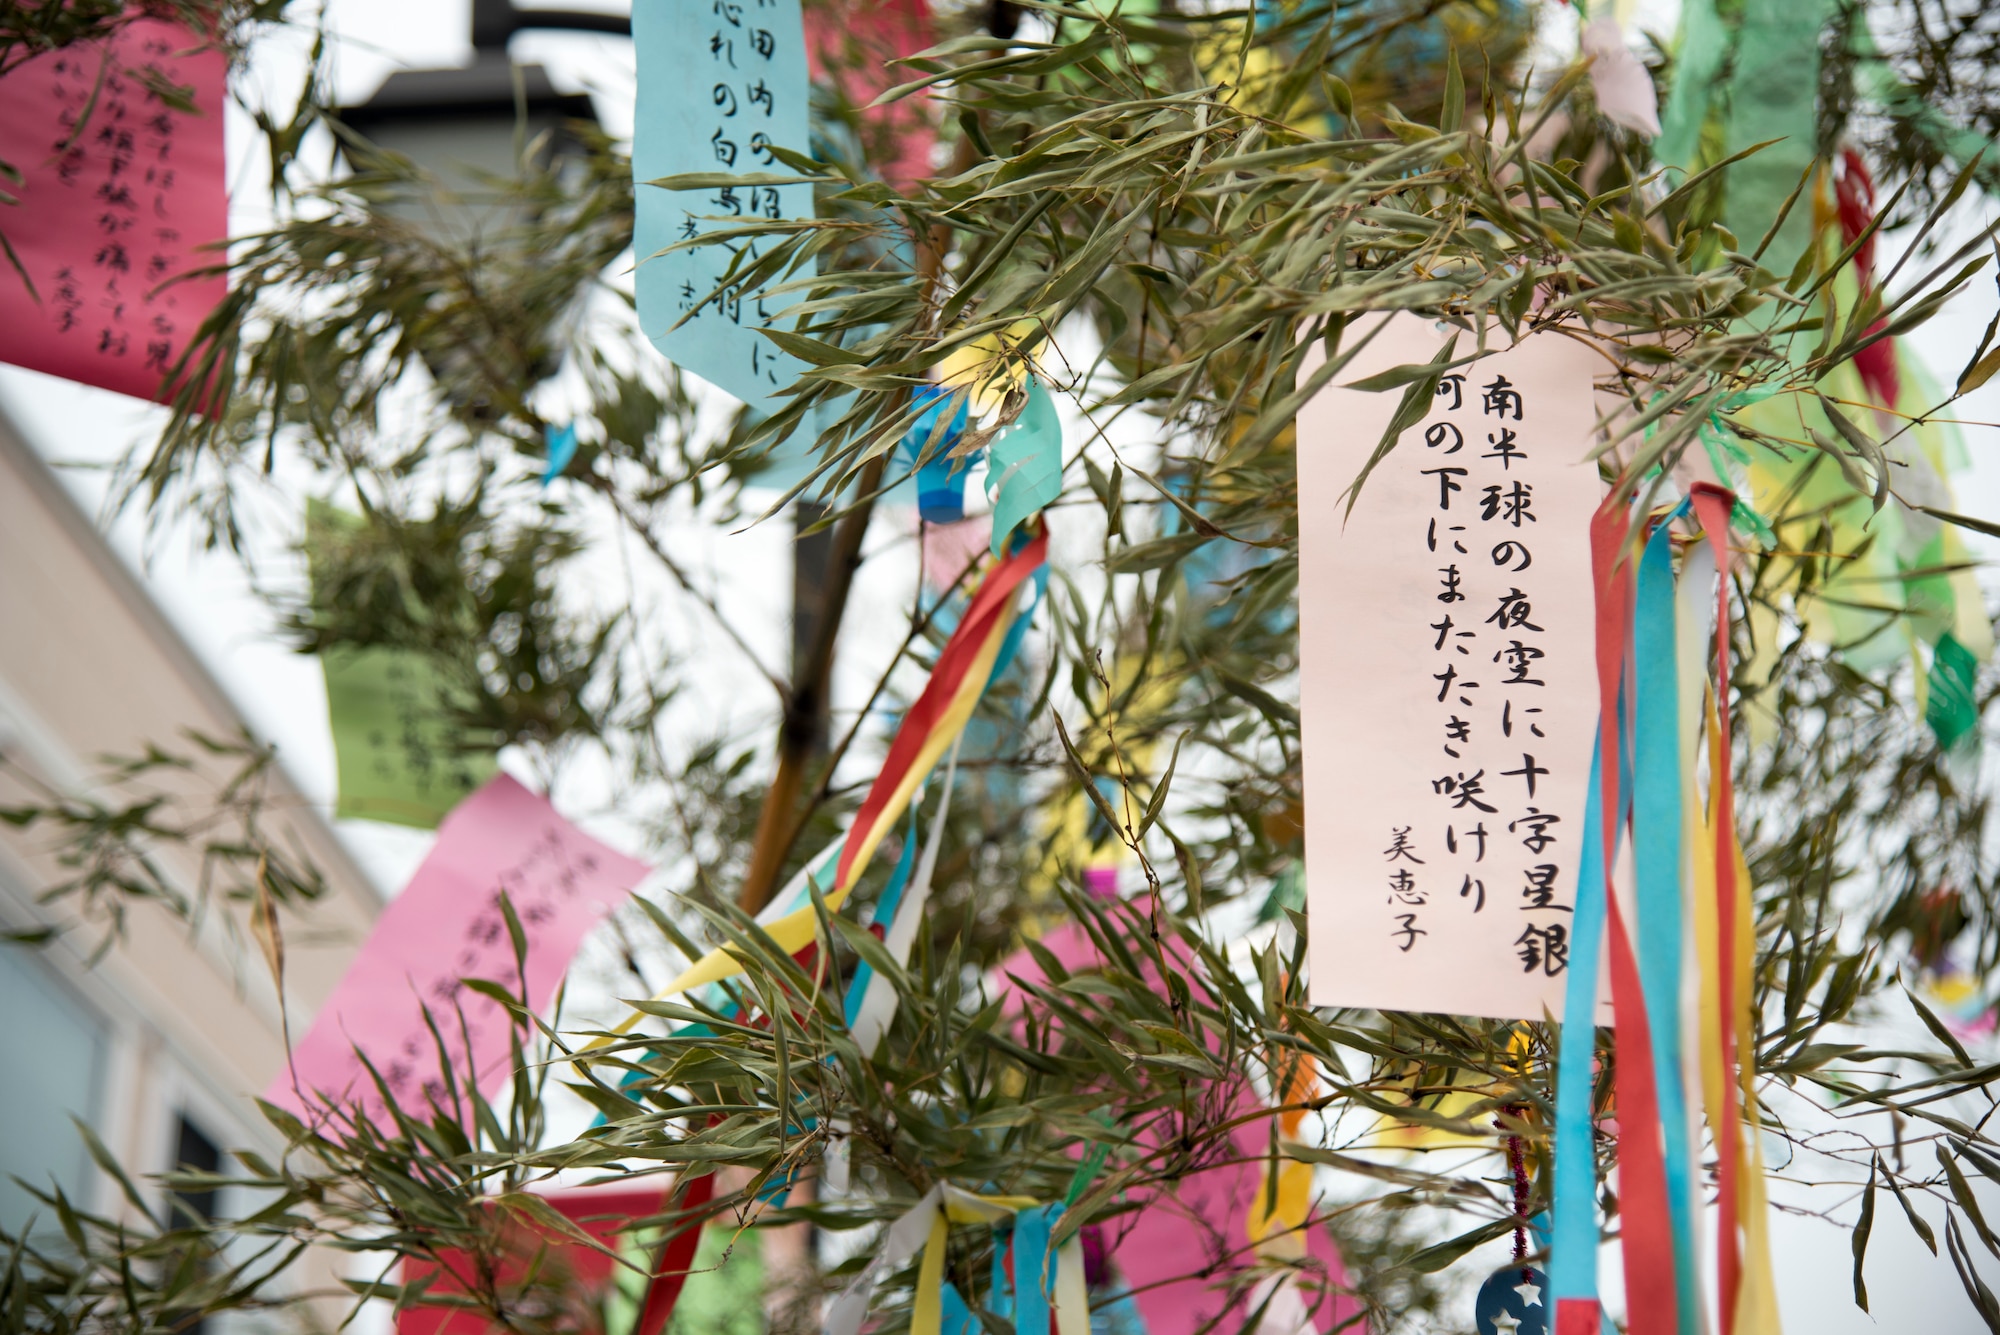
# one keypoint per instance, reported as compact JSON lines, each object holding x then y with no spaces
{"x":1573,"y":1250}
{"x":1657,"y":802}
{"x":1034,"y":1269}
{"x":562,"y":449}
{"x":941,"y":478}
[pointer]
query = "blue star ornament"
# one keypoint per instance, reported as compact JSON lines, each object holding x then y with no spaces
{"x":1513,"y":1302}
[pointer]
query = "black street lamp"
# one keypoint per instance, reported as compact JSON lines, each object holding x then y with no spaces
{"x":468,"y":124}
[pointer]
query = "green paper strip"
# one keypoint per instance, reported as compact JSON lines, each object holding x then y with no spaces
{"x":1774,"y":94}
{"x":401,"y":758}
{"x":1026,"y":463}
{"x":1953,"y":709}
{"x":723,"y":1296}
{"x":1704,"y":47}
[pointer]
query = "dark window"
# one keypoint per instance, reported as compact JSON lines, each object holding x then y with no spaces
{"x":194,"y":1152}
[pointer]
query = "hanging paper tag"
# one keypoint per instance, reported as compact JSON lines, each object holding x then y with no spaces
{"x":112,"y":206}
{"x":719,"y":86}
{"x":400,"y":756}
{"x":1448,"y":686}
{"x":445,"y":926}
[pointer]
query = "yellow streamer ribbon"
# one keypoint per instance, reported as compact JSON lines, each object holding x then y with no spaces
{"x":794,"y":930}
{"x":927,"y":1311}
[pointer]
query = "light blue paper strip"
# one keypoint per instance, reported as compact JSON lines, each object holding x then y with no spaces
{"x":1027,"y":463}
{"x":1660,"y":902}
{"x":720,"y":83}
{"x":958,"y":1318}
{"x":562,"y":449}
{"x":1034,"y":1269}
{"x":1573,"y":1249}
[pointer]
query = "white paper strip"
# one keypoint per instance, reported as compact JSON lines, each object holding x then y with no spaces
{"x":1448,"y":681}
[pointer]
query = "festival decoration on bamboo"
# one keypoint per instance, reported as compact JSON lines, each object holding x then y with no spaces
{"x":985,"y":639}
{"x":400,"y":754}
{"x":1896,"y":583}
{"x":1025,"y":475}
{"x":964,"y":669}
{"x":748,"y":96}
{"x":1446,"y":750}
{"x":930,"y":447}
{"x":562,"y":443}
{"x":507,"y":872}
{"x":1688,"y":923}
{"x":536,"y":1250}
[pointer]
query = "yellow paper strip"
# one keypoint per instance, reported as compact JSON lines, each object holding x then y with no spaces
{"x":927,"y":1311}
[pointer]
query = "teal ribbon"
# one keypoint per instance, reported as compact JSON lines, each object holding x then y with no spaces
{"x":1661,"y":905}
{"x":1573,"y":1246}
{"x":1034,"y":1269}
{"x":1025,"y":465}
{"x":885,"y":913}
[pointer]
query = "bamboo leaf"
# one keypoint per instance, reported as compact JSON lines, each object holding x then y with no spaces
{"x":1863,"y":1226}
{"x":1917,"y":1224}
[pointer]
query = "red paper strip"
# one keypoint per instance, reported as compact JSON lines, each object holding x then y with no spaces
{"x":1712,"y":505}
{"x":105,"y":222}
{"x":1647,"y":1235}
{"x":1578,"y":1316}
{"x":676,"y":1259}
{"x":531,"y":1250}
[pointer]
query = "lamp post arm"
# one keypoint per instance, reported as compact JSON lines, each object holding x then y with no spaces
{"x":496,"y":21}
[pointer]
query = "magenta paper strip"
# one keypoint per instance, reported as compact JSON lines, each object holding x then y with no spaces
{"x":104,"y":222}
{"x":445,"y":926}
{"x":1447,"y":680}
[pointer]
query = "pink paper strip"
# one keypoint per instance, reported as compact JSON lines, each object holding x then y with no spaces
{"x":103,"y":223}
{"x":860,"y":38}
{"x":445,"y":926}
{"x":1183,"y":1252}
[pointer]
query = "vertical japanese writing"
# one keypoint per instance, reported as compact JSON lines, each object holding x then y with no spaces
{"x":411,"y":745}
{"x":745,"y":100}
{"x":118,"y":189}
{"x":538,"y":885}
{"x":1447,"y":682}
{"x":1485,"y":653}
